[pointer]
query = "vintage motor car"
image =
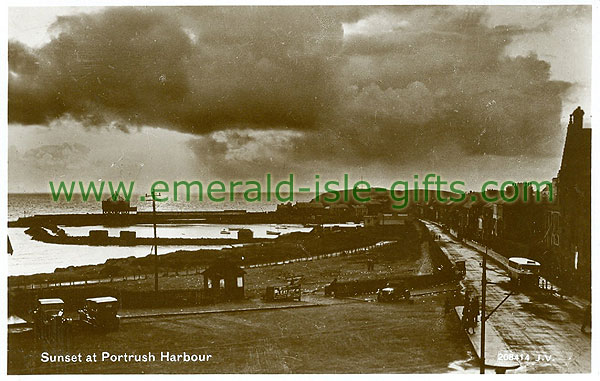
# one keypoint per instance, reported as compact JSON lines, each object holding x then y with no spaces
{"x":48,"y":316}
{"x":101,"y":313}
{"x":47,"y":309}
{"x":392,"y":294}
{"x":460,"y":269}
{"x":524,"y":273}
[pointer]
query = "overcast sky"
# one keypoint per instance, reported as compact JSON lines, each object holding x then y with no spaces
{"x":380,"y":93}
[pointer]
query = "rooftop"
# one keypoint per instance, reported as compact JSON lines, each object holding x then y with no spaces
{"x":102,"y":299}
{"x":50,"y":301}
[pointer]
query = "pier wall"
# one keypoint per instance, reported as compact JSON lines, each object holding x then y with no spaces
{"x":165,"y":218}
{"x":127,"y":238}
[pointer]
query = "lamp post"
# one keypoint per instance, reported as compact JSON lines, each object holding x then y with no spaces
{"x":484,"y":283}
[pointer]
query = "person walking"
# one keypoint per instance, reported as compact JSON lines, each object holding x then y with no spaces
{"x":476,"y":309}
{"x":466,"y":317}
{"x":473,"y":317}
{"x":473,"y":320}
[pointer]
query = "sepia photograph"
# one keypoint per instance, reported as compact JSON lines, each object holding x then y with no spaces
{"x":279,"y":188}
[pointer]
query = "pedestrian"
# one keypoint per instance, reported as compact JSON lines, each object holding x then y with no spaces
{"x":468,"y":315}
{"x":473,"y":317}
{"x":476,"y":308}
{"x":465,"y":317}
{"x":370,"y":264}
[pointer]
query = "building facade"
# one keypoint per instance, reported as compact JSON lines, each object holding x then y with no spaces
{"x":568,"y":221}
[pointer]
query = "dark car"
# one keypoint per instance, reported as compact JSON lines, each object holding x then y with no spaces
{"x":48,"y":309}
{"x":392,"y":294}
{"x":48,"y":317}
{"x":460,"y":269}
{"x":101,"y":313}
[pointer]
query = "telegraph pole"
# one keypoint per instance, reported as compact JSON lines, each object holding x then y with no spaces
{"x":155,"y":239}
{"x":484,"y":237}
{"x":483,"y":317}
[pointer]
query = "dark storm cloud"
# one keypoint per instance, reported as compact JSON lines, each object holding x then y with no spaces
{"x":123,"y":65}
{"x":437,"y":77}
{"x":194,"y":70}
{"x":260,"y":85}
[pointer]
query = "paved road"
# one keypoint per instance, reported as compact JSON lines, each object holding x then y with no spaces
{"x":543,"y":332}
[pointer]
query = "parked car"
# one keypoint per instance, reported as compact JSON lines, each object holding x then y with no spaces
{"x":391,"y":294}
{"x":48,"y":317}
{"x":460,"y":269}
{"x":49,"y":308}
{"x":101,"y":313}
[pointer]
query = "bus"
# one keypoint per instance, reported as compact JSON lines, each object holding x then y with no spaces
{"x":524,"y":272}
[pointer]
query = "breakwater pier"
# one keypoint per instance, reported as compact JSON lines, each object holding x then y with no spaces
{"x":207,"y":217}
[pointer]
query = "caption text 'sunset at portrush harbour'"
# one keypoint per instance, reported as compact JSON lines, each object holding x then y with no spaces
{"x":104,"y":356}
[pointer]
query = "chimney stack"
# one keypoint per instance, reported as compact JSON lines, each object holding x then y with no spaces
{"x":578,"y":117}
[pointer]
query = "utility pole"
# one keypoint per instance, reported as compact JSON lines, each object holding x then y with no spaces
{"x":155,"y":239}
{"x":483,"y":317}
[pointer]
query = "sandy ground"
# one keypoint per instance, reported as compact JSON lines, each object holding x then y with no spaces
{"x":355,"y":335}
{"x":348,"y":337}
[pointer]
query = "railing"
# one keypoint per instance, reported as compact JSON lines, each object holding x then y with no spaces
{"x":195,"y":270}
{"x":323,"y":256}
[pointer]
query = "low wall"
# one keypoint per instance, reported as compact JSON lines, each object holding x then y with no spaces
{"x":23,"y":301}
{"x":369,"y":286}
{"x":443,"y":272}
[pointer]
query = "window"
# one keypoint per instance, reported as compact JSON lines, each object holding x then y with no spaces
{"x":209,"y":283}
{"x":221,"y":283}
{"x":240,"y":281}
